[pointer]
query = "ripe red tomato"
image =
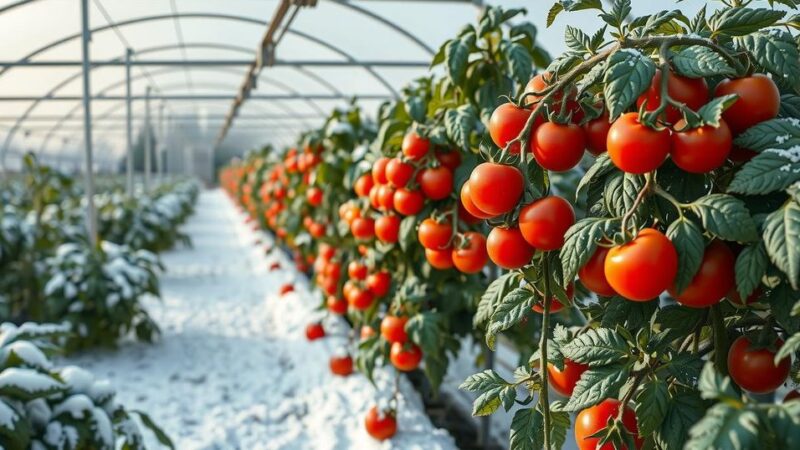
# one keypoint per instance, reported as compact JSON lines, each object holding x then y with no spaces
{"x":436,"y":182}
{"x":317,"y":230}
{"x":363,"y":228}
{"x":495,"y":188}
{"x":326,"y":251}
{"x":506,"y":123}
{"x":472,"y":256}
{"x":736,"y":300}
{"x":374,"y":200}
{"x":385,"y":197}
{"x":341,"y":365}
{"x":593,"y":274}
{"x":287,"y":288}
{"x":405,"y":357}
{"x":635,"y":148}
{"x":595,"y":418}
{"x":378,"y":283}
{"x":713,"y":281}
{"x":759,"y":100}
{"x":464,"y":215}
{"x":415,"y":146}
{"x":596,"y":131}
{"x":399,"y":173}
{"x":564,"y":381}
{"x":387,"y":228}
{"x":357,"y":270}
{"x":643,"y":268}
{"x":703,"y":149}
{"x":379,"y":170}
{"x":434,"y":235}
{"x":507,"y":248}
{"x":693,"y":92}
{"x":408,"y":202}
{"x":558,"y":147}
{"x":337,"y":305}
{"x":274,"y":266}
{"x":364,"y":184}
{"x":555,"y":303}
{"x":314,"y":331}
{"x":333,"y":270}
{"x":393,"y":329}
{"x":439,"y":259}
{"x":469,"y":205}
{"x":544,"y":222}
{"x":314,"y":196}
{"x":366,"y":332}
{"x":361,"y":299}
{"x":755,"y":370}
{"x":450,"y":159}
{"x":380,"y":425}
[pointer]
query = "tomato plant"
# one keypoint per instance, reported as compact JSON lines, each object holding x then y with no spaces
{"x":609,"y":268}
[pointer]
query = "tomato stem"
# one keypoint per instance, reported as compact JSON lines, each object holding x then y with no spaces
{"x":721,"y":343}
{"x":544,"y":392}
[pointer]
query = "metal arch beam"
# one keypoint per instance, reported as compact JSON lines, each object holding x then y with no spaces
{"x":215,"y":16}
{"x":119,"y":83}
{"x":365,"y":12}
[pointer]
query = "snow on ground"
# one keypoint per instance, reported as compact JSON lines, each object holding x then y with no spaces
{"x":233,"y":369}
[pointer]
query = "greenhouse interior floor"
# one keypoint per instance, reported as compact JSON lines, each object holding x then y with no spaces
{"x":233,"y":369}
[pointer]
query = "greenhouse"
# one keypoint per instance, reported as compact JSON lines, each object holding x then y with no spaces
{"x":400,"y":224}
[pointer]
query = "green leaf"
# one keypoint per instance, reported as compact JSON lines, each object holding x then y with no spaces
{"x":602,"y":166}
{"x":770,"y":171}
{"x":698,"y":61}
{"x":576,"y":39}
{"x":712,"y":111}
{"x":776,"y":51}
{"x":751,"y":266}
{"x":790,"y":106}
{"x":685,"y":367}
{"x":519,"y":62}
{"x":741,"y":21}
{"x":684,"y":410}
{"x":629,"y":73}
{"x":597,"y":347}
{"x":553,"y":13}
{"x":655,"y":21}
{"x":783,"y":301}
{"x":489,"y":401}
{"x":456,"y":54}
{"x":631,"y":315}
{"x":621,"y":190}
{"x":525,"y":30}
{"x":527,"y":430}
{"x":425,"y":330}
{"x":782,"y":134}
{"x":511,"y":309}
{"x":492,"y":296}
{"x":28,"y":384}
{"x":790,"y":347}
{"x":580,"y":243}
{"x":725,"y":427}
{"x":407,"y":235}
{"x":415,"y":107}
{"x":782,"y":240}
{"x":688,"y":241}
{"x":483,"y":381}
{"x":596,"y":385}
{"x":619,"y":13}
{"x":161,"y":436}
{"x":725,"y":217}
{"x":714,"y":386}
{"x":459,"y":122}
{"x":651,"y":406}
{"x":559,"y":425}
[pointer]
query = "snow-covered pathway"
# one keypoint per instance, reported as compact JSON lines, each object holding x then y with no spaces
{"x":233,"y":369}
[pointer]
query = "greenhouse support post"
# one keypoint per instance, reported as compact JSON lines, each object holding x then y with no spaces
{"x":160,"y":143}
{"x":128,"y":122}
{"x":148,"y":140}
{"x":91,"y":216}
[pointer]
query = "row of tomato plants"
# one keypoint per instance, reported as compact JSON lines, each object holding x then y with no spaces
{"x":652,"y":281}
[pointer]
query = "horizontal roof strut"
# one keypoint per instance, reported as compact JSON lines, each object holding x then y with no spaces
{"x":72,"y":98}
{"x":218,"y":62}
{"x":189,"y":117}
